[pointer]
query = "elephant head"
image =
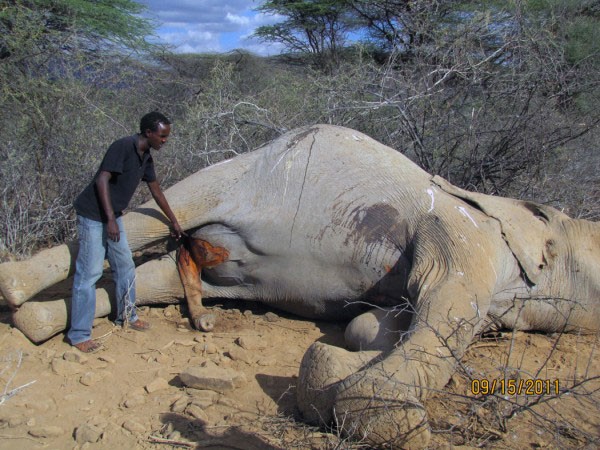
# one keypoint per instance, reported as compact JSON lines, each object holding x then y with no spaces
{"x":558,"y":256}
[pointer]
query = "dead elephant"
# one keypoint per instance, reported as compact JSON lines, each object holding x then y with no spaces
{"x":327,"y":223}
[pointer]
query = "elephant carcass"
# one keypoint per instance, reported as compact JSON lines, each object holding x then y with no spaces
{"x":327,"y":223}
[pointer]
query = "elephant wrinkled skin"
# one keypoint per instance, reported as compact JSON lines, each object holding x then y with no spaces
{"x":327,"y":223}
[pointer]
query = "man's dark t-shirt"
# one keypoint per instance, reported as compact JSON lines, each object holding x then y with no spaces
{"x":127,"y":168}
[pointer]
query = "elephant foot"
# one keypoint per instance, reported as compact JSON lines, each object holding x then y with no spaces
{"x":380,"y":412}
{"x":21,"y":280}
{"x":39,"y":321}
{"x":322,"y":368}
{"x":378,"y":329}
{"x":206,"y":322}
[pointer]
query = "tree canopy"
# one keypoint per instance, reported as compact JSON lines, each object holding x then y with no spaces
{"x":317,"y":27}
{"x":32,"y":27}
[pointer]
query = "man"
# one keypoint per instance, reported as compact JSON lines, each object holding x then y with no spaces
{"x":99,"y":209}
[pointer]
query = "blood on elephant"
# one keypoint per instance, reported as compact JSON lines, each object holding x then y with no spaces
{"x":194,"y":255}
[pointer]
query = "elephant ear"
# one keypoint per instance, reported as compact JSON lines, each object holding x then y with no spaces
{"x":525,"y":226}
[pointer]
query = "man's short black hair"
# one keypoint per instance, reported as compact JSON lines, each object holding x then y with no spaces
{"x":151,"y":120}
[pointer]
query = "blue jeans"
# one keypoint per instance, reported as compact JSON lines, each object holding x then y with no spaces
{"x":94,"y":246}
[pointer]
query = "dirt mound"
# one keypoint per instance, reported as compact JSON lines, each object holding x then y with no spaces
{"x":130,"y":394}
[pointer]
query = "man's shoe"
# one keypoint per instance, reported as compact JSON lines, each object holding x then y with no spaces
{"x":139,"y":325}
{"x":88,"y":346}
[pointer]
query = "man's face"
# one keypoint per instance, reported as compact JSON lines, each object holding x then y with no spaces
{"x":158,"y":138}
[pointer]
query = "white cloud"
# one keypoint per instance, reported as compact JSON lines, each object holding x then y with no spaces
{"x":189,"y":41}
{"x":239,"y":20}
{"x":210,"y":25}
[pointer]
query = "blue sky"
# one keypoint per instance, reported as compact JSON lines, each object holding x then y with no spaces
{"x":199,"y":26}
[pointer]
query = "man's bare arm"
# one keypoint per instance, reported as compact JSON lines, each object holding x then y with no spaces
{"x":163,"y":204}
{"x":112,"y":227}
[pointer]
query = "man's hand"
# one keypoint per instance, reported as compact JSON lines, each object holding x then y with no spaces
{"x":177,"y":231}
{"x":112,"y":230}
{"x":161,"y":201}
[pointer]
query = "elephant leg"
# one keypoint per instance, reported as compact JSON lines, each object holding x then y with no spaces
{"x":40,"y":321}
{"x":194,"y":255}
{"x":365,"y":403}
{"x":322,"y":368}
{"x":383,"y":402}
{"x":378,"y":329}
{"x":21,"y":280}
{"x":156,"y":281}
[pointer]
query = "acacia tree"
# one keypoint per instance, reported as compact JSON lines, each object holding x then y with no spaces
{"x":400,"y":25}
{"x":316,"y":27}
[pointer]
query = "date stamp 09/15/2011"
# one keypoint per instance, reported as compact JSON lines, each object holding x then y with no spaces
{"x":511,"y":386}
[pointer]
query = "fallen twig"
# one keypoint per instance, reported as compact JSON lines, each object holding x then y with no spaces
{"x":104,"y":335}
{"x":14,"y":391}
{"x":3,"y":436}
{"x":159,"y":440}
{"x":298,"y":330}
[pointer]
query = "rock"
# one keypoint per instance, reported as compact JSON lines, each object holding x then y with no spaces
{"x":271,"y":317}
{"x":87,"y":433}
{"x":207,"y":348}
{"x":183,"y":322}
{"x":75,"y":356}
{"x":251,"y":343}
{"x":63,"y":368}
{"x":171,"y":311}
{"x":238,"y":354}
{"x":134,"y":400}
{"x":203,"y":398}
{"x":267,"y":361}
{"x":156,"y":385}
{"x":91,"y":378}
{"x":133,"y":426}
{"x":210,"y":377}
{"x":197,"y":413}
{"x":46,"y":432}
{"x":180,"y":404}
{"x":116,"y":437}
{"x":223,"y":360}
{"x":247,"y":313}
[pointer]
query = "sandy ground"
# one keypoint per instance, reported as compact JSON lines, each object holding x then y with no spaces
{"x":129,"y":395}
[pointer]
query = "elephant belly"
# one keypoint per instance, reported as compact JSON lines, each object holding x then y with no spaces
{"x":307,"y":288}
{"x":326,"y":285}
